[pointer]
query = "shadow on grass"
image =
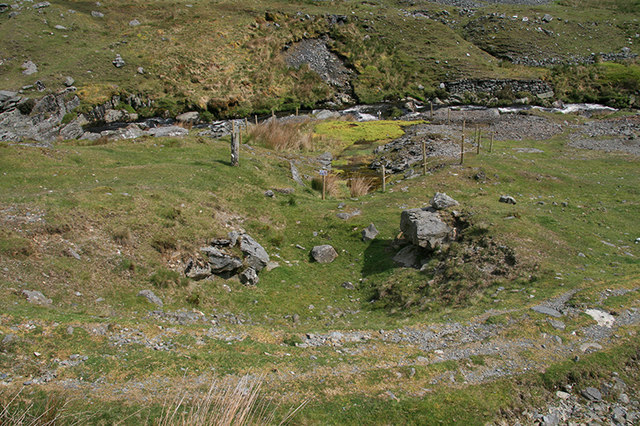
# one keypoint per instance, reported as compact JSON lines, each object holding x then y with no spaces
{"x":378,"y":258}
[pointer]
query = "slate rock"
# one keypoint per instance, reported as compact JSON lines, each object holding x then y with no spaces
{"x":324,"y":253}
{"x":140,"y":70}
{"x":134,"y":23}
{"x":269,"y":193}
{"x":36,"y":297}
{"x":547,"y":18}
{"x":97,"y":14}
{"x":151,"y":297}
{"x":442,"y":201}
{"x":545,"y":310}
{"x":29,"y":68}
{"x":255,"y":255}
{"x":507,"y":199}
{"x":40,"y":87}
{"x":69,"y":81}
{"x":424,"y":228}
{"x":369,"y":233}
{"x":41,"y":5}
{"x":249,"y":277}
{"x":592,"y":394}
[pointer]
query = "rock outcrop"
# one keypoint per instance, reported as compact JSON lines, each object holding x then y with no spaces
{"x":238,"y":255}
{"x":424,"y":228}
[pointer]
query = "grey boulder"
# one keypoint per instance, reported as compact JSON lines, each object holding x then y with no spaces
{"x":424,"y":228}
{"x":118,"y":62}
{"x":324,"y":253}
{"x":442,"y":201}
{"x":408,"y":257}
{"x":197,"y":271}
{"x":221,"y":263}
{"x":191,"y":117}
{"x":29,"y":68}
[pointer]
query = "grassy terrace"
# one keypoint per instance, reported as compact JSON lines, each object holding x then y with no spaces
{"x":136,"y":211}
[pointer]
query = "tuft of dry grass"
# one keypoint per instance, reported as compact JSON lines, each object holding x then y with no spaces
{"x":331,"y":184}
{"x":282,"y":136}
{"x":224,"y":405}
{"x":360,"y":185}
{"x":16,"y":410}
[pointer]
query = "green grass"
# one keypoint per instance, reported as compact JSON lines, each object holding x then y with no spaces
{"x":136,"y":211}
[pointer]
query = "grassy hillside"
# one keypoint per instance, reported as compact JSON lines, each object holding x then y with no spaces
{"x":134,"y":212}
{"x":225,"y":58}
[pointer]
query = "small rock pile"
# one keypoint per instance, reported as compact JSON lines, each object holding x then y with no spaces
{"x":224,"y":261}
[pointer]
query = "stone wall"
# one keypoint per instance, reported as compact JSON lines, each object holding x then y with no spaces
{"x":492,"y":86}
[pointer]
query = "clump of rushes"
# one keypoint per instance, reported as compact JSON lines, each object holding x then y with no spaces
{"x":282,"y":136}
{"x":360,"y":185}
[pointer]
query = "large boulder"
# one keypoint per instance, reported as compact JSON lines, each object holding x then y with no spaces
{"x":324,"y":253}
{"x":255,"y":255}
{"x":191,"y":117}
{"x":36,"y":297}
{"x":424,"y":228}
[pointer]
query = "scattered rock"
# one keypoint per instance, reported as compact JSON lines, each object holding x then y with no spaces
{"x":592,"y":394}
{"x":41,"y":5}
{"x":442,"y":201}
{"x":348,"y":215}
{"x":348,"y":285}
{"x":369,"y":233}
{"x":36,"y":297}
{"x":269,"y":193}
{"x":118,"y":62}
{"x":324,"y":253}
{"x":140,"y":70}
{"x":507,"y":199}
{"x":295,"y":174}
{"x":39,"y":85}
{"x":29,"y":68}
{"x":69,"y":81}
{"x":547,"y":18}
{"x":249,"y":277}
{"x":558,"y":325}
{"x":72,"y":253}
{"x":151,"y":297}
{"x":134,"y":23}
{"x":70,"y":330}
{"x":586,"y":347}
{"x":97,"y":14}
{"x":424,"y":228}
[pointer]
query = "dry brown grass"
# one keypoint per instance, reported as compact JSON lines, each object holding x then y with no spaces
{"x":282,"y":136}
{"x":360,"y":185}
{"x":225,"y":405}
{"x":19,"y":410}
{"x":331,"y":184}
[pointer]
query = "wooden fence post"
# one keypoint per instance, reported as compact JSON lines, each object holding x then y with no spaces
{"x":431,"y":112}
{"x":256,"y":118}
{"x":384,"y":178}
{"x":448,"y":116}
{"x":478,"y":140}
{"x":462,"y":149}
{"x":424,"y":158}
{"x":491,"y":143}
{"x":235,"y":145}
